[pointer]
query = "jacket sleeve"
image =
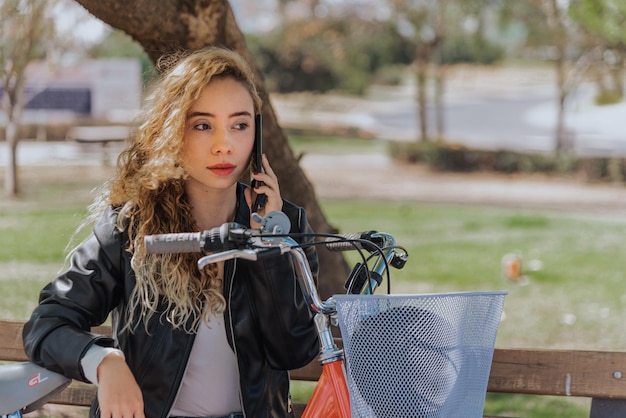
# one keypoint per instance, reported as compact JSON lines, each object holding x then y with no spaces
{"x":58,"y":333}
{"x":289,"y":335}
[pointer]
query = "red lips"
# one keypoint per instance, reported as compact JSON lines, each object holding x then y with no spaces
{"x":222,"y":169}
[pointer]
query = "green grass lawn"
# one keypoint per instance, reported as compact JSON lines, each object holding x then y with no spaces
{"x":573,"y":297}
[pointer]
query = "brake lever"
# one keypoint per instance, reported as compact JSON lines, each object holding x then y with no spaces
{"x":263,"y":248}
{"x":225,"y":256}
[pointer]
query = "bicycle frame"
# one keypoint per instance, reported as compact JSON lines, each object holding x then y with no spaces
{"x":26,"y":387}
{"x":331,"y":398}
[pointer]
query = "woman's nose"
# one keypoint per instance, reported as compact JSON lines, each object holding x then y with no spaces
{"x":222,"y":142}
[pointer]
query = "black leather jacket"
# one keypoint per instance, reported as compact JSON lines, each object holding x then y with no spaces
{"x":268,"y":323}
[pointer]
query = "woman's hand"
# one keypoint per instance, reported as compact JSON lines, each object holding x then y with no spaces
{"x":119,"y":395}
{"x":269,"y":188}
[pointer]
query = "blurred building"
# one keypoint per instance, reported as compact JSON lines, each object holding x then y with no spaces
{"x":103,"y":90}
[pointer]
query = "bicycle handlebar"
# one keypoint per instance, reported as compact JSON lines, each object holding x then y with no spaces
{"x":233,"y":240}
{"x":233,"y":236}
{"x":225,"y":237}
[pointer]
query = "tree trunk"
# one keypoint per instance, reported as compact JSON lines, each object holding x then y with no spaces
{"x":440,"y":80}
{"x":439,"y":72}
{"x":13,"y":102}
{"x":439,"y":68}
{"x":617,"y":74}
{"x":562,"y":144}
{"x":10,"y":180}
{"x":165,"y":26}
{"x":421,"y":76}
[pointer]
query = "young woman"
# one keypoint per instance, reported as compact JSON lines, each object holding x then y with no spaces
{"x":185,"y":343}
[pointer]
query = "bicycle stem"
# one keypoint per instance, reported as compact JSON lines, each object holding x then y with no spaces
{"x":307,"y":283}
{"x":329,"y":351}
{"x":324,"y":310}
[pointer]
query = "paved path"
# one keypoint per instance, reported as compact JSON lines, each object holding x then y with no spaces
{"x":378,"y":177}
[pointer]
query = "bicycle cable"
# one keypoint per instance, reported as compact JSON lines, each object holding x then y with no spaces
{"x":366,"y":245}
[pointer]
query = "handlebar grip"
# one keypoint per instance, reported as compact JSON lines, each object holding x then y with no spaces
{"x":220,"y":238}
{"x":187,"y":242}
{"x":346,"y":242}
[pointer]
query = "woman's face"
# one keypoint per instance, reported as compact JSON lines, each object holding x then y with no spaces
{"x":219,"y":135}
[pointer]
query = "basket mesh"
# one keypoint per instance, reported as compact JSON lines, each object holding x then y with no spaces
{"x":421,"y":356}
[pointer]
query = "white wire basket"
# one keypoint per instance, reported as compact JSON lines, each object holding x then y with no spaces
{"x":419,"y":356}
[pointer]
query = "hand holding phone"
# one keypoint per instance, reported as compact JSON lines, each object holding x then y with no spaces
{"x":257,"y":163}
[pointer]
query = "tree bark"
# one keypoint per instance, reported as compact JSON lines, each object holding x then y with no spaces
{"x":421,"y":76}
{"x":22,"y":33}
{"x":10,"y":181}
{"x":561,"y":141}
{"x":14,"y":103}
{"x":165,"y":26}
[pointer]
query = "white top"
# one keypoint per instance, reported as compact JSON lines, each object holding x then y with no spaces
{"x":211,"y":382}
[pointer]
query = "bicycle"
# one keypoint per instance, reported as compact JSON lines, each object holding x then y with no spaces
{"x":341,"y":391}
{"x":331,"y":396}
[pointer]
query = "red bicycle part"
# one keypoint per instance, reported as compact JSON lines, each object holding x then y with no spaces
{"x":330,"y":399}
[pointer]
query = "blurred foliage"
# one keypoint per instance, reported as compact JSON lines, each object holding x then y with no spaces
{"x":460,"y":48}
{"x":602,"y":22}
{"x":609,"y":97}
{"x":327,"y":54}
{"x":320,"y":55}
{"x":118,"y":44}
{"x":455,"y":158}
{"x":602,"y":18}
{"x":347,"y":55}
{"x":451,"y":157}
{"x":27,"y":30}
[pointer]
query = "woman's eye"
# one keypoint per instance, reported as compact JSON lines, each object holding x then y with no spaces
{"x":241,"y":126}
{"x":202,"y":126}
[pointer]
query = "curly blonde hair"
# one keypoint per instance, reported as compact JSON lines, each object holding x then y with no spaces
{"x":149,"y":190}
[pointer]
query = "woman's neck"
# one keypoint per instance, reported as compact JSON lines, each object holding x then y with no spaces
{"x":212,"y":207}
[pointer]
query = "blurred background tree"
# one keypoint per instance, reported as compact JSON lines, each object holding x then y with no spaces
{"x":603,"y":24}
{"x":345,"y":49}
{"x":26,"y":30}
{"x":345,"y":54}
{"x":553,"y":33}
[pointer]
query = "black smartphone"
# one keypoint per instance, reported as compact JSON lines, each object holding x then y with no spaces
{"x":257,"y":164}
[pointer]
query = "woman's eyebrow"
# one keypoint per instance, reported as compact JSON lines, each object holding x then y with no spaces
{"x":242,"y":113}
{"x":200,"y":114}
{"x":210,"y":115}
